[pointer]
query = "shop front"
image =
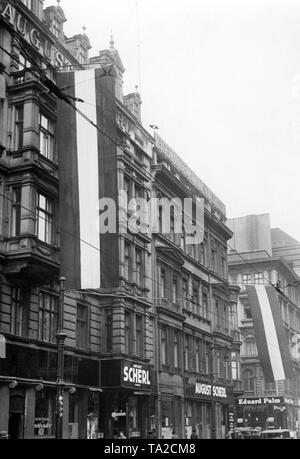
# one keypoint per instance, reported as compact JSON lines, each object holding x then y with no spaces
{"x":128,"y":399}
{"x":207,"y":407}
{"x":28,"y":394}
{"x":266,"y":413}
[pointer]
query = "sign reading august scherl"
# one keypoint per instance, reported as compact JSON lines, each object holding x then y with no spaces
{"x":210,"y":391}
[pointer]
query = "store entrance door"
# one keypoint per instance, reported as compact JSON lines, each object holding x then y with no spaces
{"x":16,"y":414}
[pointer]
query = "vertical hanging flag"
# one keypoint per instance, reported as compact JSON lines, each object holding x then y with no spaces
{"x":271,"y":337}
{"x":80,"y":145}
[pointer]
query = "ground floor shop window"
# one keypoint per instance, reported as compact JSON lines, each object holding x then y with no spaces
{"x":44,"y":423}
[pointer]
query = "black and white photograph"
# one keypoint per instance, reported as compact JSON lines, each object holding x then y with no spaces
{"x":149,"y":222}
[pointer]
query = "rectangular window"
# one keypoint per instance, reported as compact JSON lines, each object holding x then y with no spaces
{"x":127,"y":261}
{"x":16,"y":212}
{"x":55,"y":29}
{"x":46,"y":137}
{"x":195,"y":298}
{"x":247,"y":279}
{"x":185,"y":293}
{"x":128,"y":333}
{"x":45,"y":209}
{"x":19,"y":127}
{"x":82,"y":327}
{"x":108,"y":330}
{"x":235,"y":366}
{"x":139,"y":267}
{"x":175,"y":291}
{"x":202,"y":254}
{"x":139,"y":336}
{"x":176,"y":350}
{"x":17,"y":312}
{"x":44,"y":425}
{"x":205,"y":305}
{"x":164,"y":346}
{"x":186,"y":353}
{"x":48,"y":315}
{"x":163,"y":283}
{"x":259,"y":278}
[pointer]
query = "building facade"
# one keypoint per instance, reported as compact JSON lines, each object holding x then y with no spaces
{"x":268,"y":401}
{"x":152,"y":342}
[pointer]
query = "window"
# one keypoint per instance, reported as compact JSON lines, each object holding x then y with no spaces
{"x":17,"y":312}
{"x":82,"y":327}
{"x":23,"y":62}
{"x":44,"y":414}
{"x":195,"y":298}
{"x":164,"y":346}
{"x":127,"y":261}
{"x":247,"y":279}
{"x":205,"y":304}
{"x":247,"y":312}
{"x":139,"y":267}
{"x":235,"y":366}
{"x":213,"y":255}
{"x":248,"y":381}
{"x":55,"y":29}
{"x":48,"y":315}
{"x":186,"y":353}
{"x":46,"y":137}
{"x":82,"y":55}
{"x":16,"y":212}
{"x":139,"y":336}
{"x":176,"y":350}
{"x":202,"y":254}
{"x":163,"y":283}
{"x":223,"y":262}
{"x":270,"y":387}
{"x":185,"y":292}
{"x":128,"y":331}
{"x":250,"y":346}
{"x":259,"y":278}
{"x":108,"y":330}
{"x":44,"y":218}
{"x":19,"y":127}
{"x":175,"y":291}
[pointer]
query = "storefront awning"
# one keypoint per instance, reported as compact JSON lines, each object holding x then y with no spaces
{"x":2,"y":347}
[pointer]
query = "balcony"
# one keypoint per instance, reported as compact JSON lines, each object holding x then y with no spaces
{"x":30,"y":259}
{"x":169,"y":308}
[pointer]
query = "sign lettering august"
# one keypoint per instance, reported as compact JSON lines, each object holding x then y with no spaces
{"x":32,"y":35}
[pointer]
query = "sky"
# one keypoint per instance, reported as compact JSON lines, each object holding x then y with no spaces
{"x":221,"y":80}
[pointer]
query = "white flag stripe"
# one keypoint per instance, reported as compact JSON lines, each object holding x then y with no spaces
{"x":88,"y":181}
{"x":271,"y":334}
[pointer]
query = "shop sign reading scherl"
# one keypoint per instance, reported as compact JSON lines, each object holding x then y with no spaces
{"x":136,"y":375}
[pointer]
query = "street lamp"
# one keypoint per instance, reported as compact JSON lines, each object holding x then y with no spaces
{"x":60,"y":337}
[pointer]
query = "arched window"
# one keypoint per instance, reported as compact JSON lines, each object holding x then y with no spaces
{"x":248,"y":381}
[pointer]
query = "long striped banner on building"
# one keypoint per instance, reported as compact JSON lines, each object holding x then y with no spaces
{"x":79,"y":146}
{"x":271,"y":337}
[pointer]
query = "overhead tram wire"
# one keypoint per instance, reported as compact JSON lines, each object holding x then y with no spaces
{"x":54,"y":89}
